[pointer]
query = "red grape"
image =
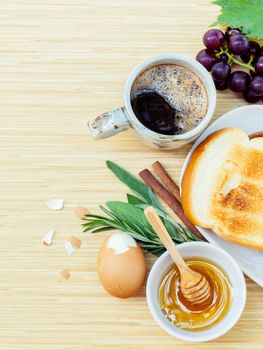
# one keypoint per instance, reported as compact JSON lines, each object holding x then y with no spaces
{"x":221,"y":85}
{"x":238,"y":44}
{"x":259,"y":65}
{"x":239,"y":81}
{"x":219,"y":55}
{"x":206,"y":58}
{"x":256,"y":86}
{"x":213,"y":39}
{"x":220,"y":71}
{"x":231,"y":31}
{"x":223,"y":57}
{"x":250,"y":97}
{"x":253,"y":49}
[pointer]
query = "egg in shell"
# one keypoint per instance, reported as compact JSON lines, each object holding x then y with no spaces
{"x":121,"y":265}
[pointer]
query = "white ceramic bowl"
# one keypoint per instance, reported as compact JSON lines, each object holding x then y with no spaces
{"x":222,"y":259}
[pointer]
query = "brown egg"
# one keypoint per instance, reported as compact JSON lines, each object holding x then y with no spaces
{"x":121,"y":265}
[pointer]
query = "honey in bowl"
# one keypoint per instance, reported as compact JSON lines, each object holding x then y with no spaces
{"x":195,"y":317}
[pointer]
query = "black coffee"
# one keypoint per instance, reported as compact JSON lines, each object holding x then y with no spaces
{"x":154,"y":112}
{"x":169,"y":99}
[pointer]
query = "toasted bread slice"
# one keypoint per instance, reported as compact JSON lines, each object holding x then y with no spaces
{"x":222,"y":187}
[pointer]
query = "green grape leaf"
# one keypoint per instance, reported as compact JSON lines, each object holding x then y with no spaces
{"x":244,"y":14}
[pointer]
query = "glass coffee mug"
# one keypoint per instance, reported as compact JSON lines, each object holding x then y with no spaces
{"x":121,"y":119}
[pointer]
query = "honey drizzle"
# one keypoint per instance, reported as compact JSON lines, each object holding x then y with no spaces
{"x":191,"y":317}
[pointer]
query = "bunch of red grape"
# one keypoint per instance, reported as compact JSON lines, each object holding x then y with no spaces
{"x":221,"y":54}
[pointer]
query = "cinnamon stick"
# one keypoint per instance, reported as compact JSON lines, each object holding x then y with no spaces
{"x":167,"y":180}
{"x":169,"y":199}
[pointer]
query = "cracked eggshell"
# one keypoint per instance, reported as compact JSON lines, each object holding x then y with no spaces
{"x":55,"y":204}
{"x":48,"y":237}
{"x":121,"y":265}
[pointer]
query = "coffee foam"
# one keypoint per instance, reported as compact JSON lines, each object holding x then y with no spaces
{"x":180,"y":87}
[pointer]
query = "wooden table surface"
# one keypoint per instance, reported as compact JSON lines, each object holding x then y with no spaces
{"x":63,"y":62}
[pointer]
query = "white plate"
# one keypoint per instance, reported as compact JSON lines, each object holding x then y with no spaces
{"x":250,"y":119}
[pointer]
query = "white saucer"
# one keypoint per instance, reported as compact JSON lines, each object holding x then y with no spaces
{"x":250,"y":119}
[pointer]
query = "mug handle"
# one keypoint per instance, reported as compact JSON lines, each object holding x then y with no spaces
{"x":109,"y":124}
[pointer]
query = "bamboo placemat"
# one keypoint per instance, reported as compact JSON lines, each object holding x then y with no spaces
{"x":63,"y":62}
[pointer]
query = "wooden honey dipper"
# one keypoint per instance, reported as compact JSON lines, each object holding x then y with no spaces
{"x":194,"y":286}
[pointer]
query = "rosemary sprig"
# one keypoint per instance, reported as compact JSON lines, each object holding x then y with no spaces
{"x":129,"y":217}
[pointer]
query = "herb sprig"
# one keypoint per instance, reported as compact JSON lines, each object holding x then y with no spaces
{"x":129,"y":217}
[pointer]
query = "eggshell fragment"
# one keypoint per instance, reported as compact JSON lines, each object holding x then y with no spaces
{"x":75,"y":242}
{"x":65,"y":274}
{"x":55,"y":204}
{"x":121,"y":265}
{"x":69,"y":248}
{"x":48,"y":237}
{"x":80,"y":212}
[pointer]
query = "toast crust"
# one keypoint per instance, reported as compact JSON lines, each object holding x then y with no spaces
{"x":189,"y":175}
